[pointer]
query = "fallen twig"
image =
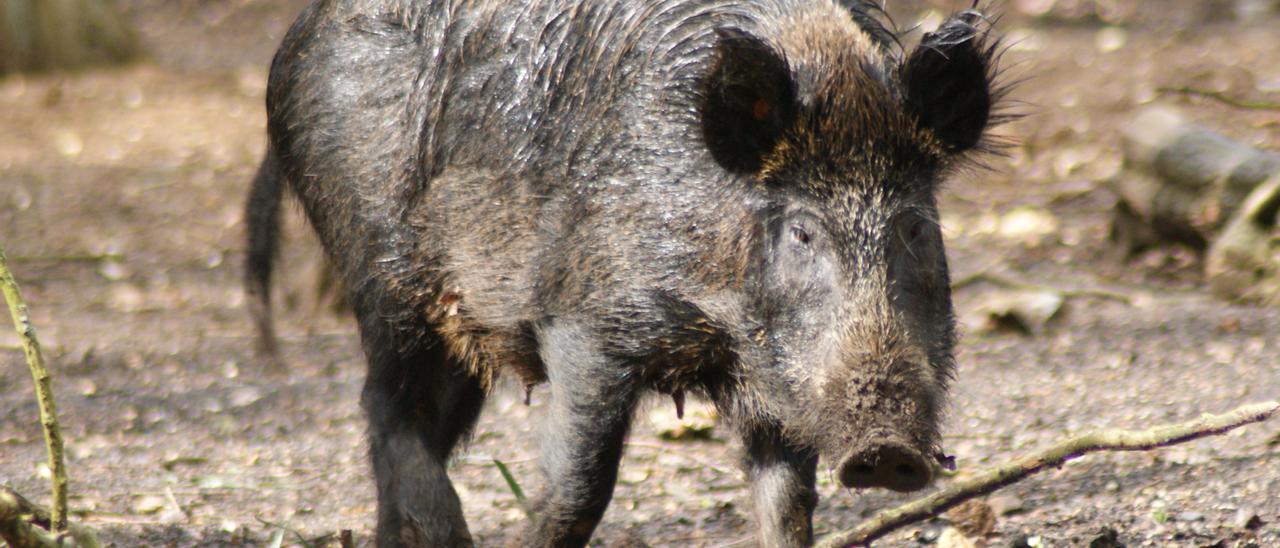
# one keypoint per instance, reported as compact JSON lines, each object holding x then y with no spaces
{"x":68,"y":258}
{"x":1009,"y":283}
{"x":1221,"y":98}
{"x":1100,"y":440}
{"x":44,"y":393}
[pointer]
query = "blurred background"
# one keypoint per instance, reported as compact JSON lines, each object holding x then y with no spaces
{"x":1115,"y":265}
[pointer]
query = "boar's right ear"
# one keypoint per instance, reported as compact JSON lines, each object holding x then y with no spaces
{"x":948,"y":82}
{"x":749,"y":99}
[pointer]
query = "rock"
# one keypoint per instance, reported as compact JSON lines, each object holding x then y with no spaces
{"x":245,"y":396}
{"x":1007,"y":505}
{"x":930,"y":533}
{"x":1188,"y":516}
{"x":1107,"y":538}
{"x":148,"y":504}
{"x":1024,"y":312}
{"x":1243,"y":263}
{"x":1247,"y":519}
{"x":1028,"y":223}
{"x":1027,"y":541}
{"x":952,"y":537}
{"x":974,"y":518}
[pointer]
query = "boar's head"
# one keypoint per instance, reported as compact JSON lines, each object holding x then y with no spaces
{"x":846,"y":142}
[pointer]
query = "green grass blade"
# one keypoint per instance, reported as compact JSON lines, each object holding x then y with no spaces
{"x":515,"y":488}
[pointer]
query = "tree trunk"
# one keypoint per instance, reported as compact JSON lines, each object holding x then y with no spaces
{"x":42,"y":35}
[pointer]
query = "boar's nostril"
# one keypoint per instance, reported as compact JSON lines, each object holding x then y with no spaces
{"x":889,"y":465}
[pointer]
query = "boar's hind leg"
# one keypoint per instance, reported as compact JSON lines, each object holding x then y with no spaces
{"x":420,"y":404}
{"x":782,"y":491}
{"x":592,"y":399}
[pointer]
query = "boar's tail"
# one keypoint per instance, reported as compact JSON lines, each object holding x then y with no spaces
{"x":262,"y":217}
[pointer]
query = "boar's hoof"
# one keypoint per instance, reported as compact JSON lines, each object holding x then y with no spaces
{"x":890,"y":465}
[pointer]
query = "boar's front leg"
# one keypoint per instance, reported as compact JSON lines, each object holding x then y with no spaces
{"x":782,"y":490}
{"x":592,"y":399}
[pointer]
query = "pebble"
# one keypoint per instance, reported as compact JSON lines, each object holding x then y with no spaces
{"x":1007,"y":505}
{"x":1189,"y":516}
{"x":929,"y":534}
{"x":975,"y":518}
{"x":1027,"y":541}
{"x":1247,"y":519}
{"x":245,"y":396}
{"x":953,"y":538}
{"x":1107,"y":538}
{"x":148,"y":504}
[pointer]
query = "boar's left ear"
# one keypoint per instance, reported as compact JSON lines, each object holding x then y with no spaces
{"x":948,"y":82}
{"x":749,"y":99}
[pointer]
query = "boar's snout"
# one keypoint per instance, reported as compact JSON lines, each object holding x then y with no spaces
{"x":885,"y":462}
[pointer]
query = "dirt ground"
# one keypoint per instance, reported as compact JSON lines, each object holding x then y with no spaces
{"x":120,"y":206}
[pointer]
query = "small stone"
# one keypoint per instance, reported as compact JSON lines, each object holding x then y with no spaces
{"x":148,"y":504}
{"x":1188,"y":516}
{"x":1027,"y":541}
{"x":1107,"y":538}
{"x":1111,"y":39}
{"x":113,"y":270}
{"x":954,"y":538}
{"x":929,"y":534}
{"x":68,"y":143}
{"x":1027,"y":223}
{"x":1007,"y":505}
{"x":1247,"y":519}
{"x":244,"y":397}
{"x":974,"y":518}
{"x":87,"y":387}
{"x":1015,"y":311}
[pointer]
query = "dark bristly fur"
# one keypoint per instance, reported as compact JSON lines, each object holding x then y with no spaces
{"x":735,"y":199}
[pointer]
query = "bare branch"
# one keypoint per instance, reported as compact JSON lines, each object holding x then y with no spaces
{"x":993,"y":479}
{"x":1223,"y":98}
{"x":998,"y":280}
{"x":44,"y":392}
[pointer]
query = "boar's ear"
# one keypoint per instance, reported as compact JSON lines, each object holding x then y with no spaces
{"x":749,"y":99}
{"x":948,"y":82}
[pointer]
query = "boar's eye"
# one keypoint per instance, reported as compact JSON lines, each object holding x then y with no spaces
{"x":913,"y":225}
{"x":803,"y":229}
{"x":916,"y":227}
{"x":914,"y":230}
{"x":801,"y":256}
{"x":799,"y":234}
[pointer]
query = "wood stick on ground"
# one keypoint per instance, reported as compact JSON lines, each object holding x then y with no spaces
{"x":68,"y":258}
{"x":44,"y":393}
{"x":1223,"y":98}
{"x":1010,"y":283}
{"x":1099,"y":440}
